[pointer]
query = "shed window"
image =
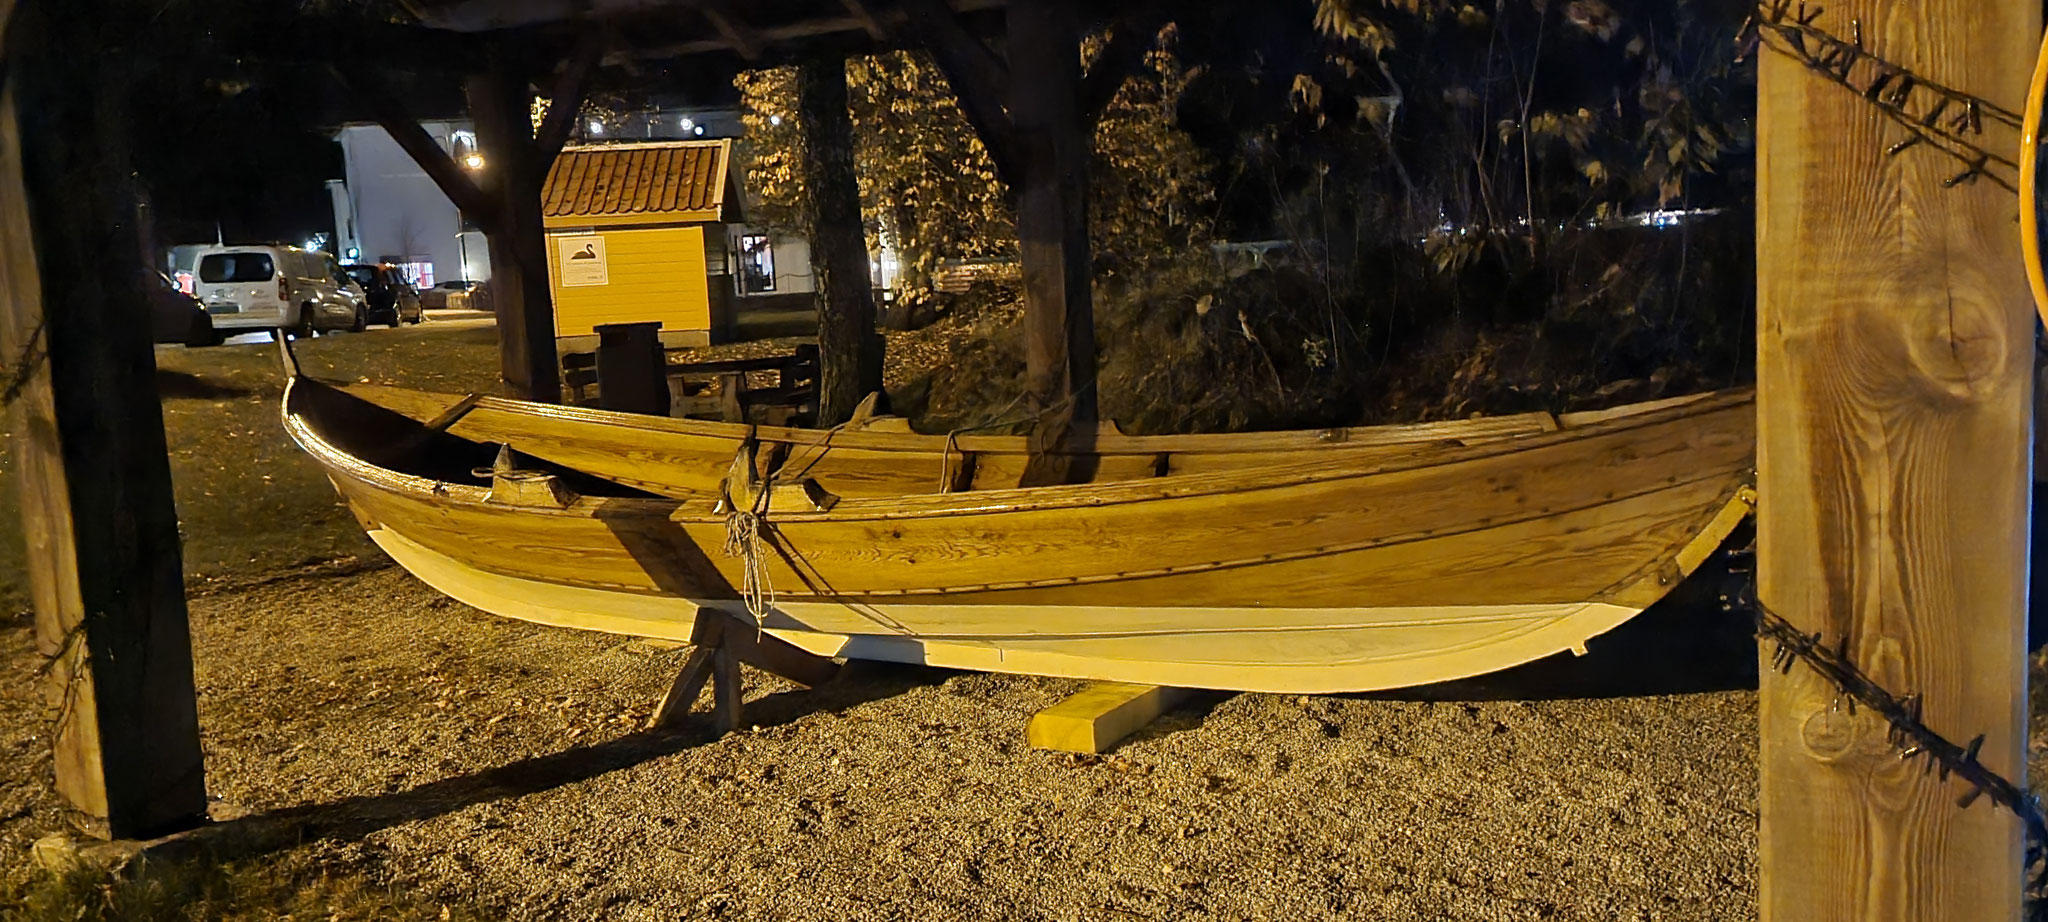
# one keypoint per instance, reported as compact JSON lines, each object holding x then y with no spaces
{"x":757,"y":264}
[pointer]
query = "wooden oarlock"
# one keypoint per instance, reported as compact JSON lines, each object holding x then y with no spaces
{"x":720,"y":642}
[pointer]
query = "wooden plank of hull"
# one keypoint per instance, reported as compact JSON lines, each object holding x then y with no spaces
{"x":683,"y":457}
{"x":1316,"y":577}
{"x":1561,"y":521}
{"x":1357,"y":650}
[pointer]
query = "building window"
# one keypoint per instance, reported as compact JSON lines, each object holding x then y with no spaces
{"x":415,"y":269}
{"x":757,"y":264}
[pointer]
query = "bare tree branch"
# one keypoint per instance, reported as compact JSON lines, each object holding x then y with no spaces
{"x":860,"y":12}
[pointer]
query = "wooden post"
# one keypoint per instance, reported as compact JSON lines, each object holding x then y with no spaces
{"x":848,"y":341}
{"x":1035,"y":114}
{"x":1052,"y":232}
{"x":719,"y":643}
{"x":513,"y":171}
{"x":632,"y":368}
{"x":504,"y":197}
{"x":1894,"y":343}
{"x":104,"y":566}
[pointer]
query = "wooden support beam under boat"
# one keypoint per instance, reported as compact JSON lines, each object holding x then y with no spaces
{"x":1894,"y":344}
{"x":719,"y":643}
{"x":1100,"y":716}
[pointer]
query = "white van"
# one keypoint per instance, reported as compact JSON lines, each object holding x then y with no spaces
{"x":249,"y":288}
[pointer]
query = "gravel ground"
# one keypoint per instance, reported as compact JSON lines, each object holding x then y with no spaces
{"x":493,"y":765}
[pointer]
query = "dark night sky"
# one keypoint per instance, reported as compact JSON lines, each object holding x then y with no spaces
{"x":249,"y":148}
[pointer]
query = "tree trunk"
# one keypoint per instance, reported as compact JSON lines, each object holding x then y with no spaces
{"x":103,"y":549}
{"x":1052,"y":231}
{"x":511,"y":178}
{"x":849,"y":345}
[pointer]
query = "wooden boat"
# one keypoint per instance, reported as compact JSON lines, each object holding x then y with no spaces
{"x":1326,"y":574}
{"x":688,"y":457}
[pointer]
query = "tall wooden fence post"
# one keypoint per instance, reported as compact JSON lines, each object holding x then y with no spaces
{"x":86,"y":426}
{"x":1894,"y":346}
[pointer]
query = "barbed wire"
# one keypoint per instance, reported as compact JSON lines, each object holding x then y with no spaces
{"x":1906,"y":733}
{"x":1939,"y":117}
{"x":25,"y":366}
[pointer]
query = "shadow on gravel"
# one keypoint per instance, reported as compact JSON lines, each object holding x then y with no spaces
{"x":356,"y":817}
{"x":175,"y":385}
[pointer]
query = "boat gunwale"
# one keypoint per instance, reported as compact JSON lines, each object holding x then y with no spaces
{"x":1112,"y":444}
{"x":1280,"y":475}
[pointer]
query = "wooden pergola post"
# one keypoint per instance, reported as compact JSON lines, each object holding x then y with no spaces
{"x":1052,"y":150}
{"x":79,"y":378}
{"x":1895,"y":341}
{"x":502,"y":197}
{"x":511,"y":179}
{"x":1035,"y":112}
{"x":849,"y":345}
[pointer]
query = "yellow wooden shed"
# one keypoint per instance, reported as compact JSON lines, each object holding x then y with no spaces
{"x":636,"y":233}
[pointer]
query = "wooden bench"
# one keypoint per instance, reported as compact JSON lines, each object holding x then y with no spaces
{"x":725,"y":389}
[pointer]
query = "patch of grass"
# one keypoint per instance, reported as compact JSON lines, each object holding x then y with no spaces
{"x":282,"y":887}
{"x":250,"y":503}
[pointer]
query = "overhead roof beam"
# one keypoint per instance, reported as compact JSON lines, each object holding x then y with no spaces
{"x":867,"y":19}
{"x":737,"y":34}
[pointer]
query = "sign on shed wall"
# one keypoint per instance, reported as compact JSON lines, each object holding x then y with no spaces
{"x":582,"y":261}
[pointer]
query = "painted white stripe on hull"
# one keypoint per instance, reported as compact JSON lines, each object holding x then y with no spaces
{"x":1239,"y":649}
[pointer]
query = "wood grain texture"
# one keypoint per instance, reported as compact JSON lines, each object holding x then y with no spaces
{"x":45,"y":510}
{"x":1337,"y":573}
{"x":97,"y":504}
{"x":1099,"y":716}
{"x":1894,"y":346}
{"x":849,"y":343}
{"x":684,"y":458}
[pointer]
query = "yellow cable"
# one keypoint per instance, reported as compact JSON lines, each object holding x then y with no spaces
{"x":2030,"y":146}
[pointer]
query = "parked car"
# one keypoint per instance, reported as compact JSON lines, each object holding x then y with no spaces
{"x":452,"y":295}
{"x":176,"y":317}
{"x":393,"y":300}
{"x":249,"y":288}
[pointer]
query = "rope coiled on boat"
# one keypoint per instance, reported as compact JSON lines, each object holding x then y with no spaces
{"x":743,"y":528}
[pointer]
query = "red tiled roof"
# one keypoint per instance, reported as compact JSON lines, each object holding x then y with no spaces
{"x":628,"y":179}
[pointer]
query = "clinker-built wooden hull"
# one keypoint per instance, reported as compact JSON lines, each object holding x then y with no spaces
{"x":1338,"y":573}
{"x":686,"y":457}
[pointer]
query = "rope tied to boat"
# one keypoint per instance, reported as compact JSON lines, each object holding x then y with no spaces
{"x":746,"y":522}
{"x":743,"y":529}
